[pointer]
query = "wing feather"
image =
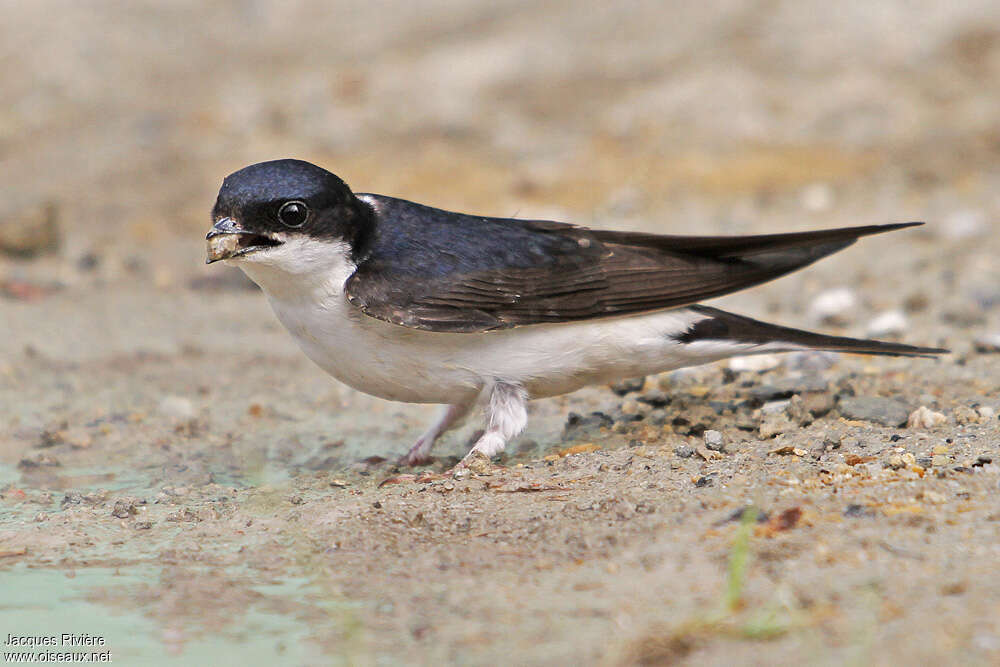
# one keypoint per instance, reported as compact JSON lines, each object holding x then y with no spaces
{"x":441,"y":271}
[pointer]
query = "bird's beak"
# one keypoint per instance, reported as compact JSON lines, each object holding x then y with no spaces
{"x":227,"y":239}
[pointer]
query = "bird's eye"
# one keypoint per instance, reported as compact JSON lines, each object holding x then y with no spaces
{"x":293,"y":214}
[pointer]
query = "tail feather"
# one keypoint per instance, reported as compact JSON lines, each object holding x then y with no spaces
{"x":720,"y":325}
{"x":744,"y":247}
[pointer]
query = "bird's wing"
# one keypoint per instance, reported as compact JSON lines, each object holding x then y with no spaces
{"x":439,"y":271}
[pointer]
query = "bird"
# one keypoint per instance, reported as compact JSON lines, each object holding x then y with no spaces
{"x":417,"y":304}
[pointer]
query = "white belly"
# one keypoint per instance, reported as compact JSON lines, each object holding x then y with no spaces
{"x":401,"y":364}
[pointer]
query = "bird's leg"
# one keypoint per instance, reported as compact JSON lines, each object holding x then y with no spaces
{"x":449,"y":417}
{"x":506,"y":416}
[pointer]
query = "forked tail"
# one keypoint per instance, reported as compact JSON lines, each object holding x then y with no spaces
{"x":718,"y":325}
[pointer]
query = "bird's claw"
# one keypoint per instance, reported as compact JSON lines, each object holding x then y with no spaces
{"x":474,"y":463}
{"x":413,"y":458}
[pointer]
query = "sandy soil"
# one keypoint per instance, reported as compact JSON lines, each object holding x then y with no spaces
{"x":177,"y":478}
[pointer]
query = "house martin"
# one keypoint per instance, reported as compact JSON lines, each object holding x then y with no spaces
{"x":412,"y":303}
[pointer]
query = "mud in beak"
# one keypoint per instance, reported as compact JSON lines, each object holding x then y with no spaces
{"x":227,"y":240}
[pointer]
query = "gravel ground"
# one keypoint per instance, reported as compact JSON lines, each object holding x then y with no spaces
{"x":177,"y":478}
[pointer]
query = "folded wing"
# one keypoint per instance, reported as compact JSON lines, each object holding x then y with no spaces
{"x":439,"y":271}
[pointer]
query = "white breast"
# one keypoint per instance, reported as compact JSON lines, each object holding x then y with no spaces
{"x":304,"y":281}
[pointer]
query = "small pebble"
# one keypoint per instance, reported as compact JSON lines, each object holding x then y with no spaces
{"x":786,"y":387}
{"x":684,"y":451}
{"x":774,"y":423}
{"x":788,"y":449}
{"x":895,"y":461}
{"x":31,"y":231}
{"x":578,"y":425}
{"x":627,"y":417}
{"x":850,"y":442}
{"x":769,"y":392}
{"x":757,"y":363}
{"x":797,"y":411}
{"x":986,"y":413}
{"x":774,"y":407}
{"x":923,"y":417}
{"x":628,"y":386}
{"x":714,"y":440}
{"x":965,"y":415}
{"x":812,"y":360}
{"x":655,"y":398}
{"x":831,"y":441}
{"x":888,"y":323}
{"x":885,"y":411}
{"x":964,"y":224}
{"x":124,"y":508}
{"x":207,"y":514}
{"x":854,"y":511}
{"x":833,"y":306}
{"x":177,"y":407}
{"x":631,"y":408}
{"x":699,"y":390}
{"x":818,"y":403}
{"x":987,"y":343}
{"x":932,"y":497}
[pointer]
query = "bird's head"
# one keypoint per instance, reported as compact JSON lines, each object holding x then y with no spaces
{"x":284,"y":213}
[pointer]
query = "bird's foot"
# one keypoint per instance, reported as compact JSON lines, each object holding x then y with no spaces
{"x":418,"y":455}
{"x":411,"y":460}
{"x":420,"y":452}
{"x":475,"y":463}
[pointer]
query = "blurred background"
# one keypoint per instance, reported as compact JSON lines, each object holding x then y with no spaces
{"x":119,"y":120}
{"x":708,"y":117}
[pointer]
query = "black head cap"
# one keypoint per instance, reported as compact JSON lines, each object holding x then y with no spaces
{"x":293,"y":196}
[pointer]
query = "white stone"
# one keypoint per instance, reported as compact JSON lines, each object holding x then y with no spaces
{"x":177,"y":407}
{"x":987,"y":343}
{"x":964,"y":224}
{"x":714,"y":440}
{"x":888,"y":323}
{"x":924,"y":417}
{"x":755,"y":364}
{"x":772,"y":407}
{"x":833,"y":304}
{"x":811,"y":360}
